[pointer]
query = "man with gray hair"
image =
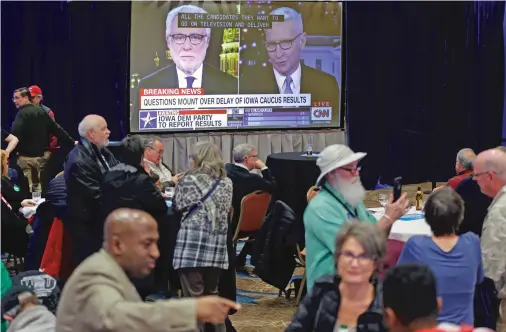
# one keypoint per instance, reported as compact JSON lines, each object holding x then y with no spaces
{"x":285,"y":73}
{"x":188,"y":48}
{"x":339,"y":201}
{"x":84,"y":171}
{"x":153,"y":154}
{"x":463,"y":167}
{"x":244,"y":182}
{"x":490,"y":174}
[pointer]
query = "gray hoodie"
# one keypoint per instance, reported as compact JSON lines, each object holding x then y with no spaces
{"x":35,"y":319}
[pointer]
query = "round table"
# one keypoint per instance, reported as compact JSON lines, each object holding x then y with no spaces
{"x":294,"y":174}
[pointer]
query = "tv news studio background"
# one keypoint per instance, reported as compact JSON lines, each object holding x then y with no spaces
{"x":418,"y":81}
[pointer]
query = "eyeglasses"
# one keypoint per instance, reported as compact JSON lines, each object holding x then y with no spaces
{"x":160,"y":152}
{"x":180,"y":39}
{"x":349,"y":257}
{"x":284,"y":44}
{"x":477,"y":175}
{"x":352,"y":170}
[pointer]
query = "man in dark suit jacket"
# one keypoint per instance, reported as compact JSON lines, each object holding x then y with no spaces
{"x":246,"y":159}
{"x":285,"y":73}
{"x":188,"y":48}
{"x":214,"y":81}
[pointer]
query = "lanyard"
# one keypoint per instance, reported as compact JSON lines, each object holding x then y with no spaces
{"x":353,"y":214}
{"x":6,"y":203}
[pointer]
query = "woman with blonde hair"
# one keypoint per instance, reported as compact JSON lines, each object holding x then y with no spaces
{"x":203,"y":197}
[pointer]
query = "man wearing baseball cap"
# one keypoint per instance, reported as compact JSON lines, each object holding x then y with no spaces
{"x":23,"y":310}
{"x":37,"y":97}
{"x":339,"y":201}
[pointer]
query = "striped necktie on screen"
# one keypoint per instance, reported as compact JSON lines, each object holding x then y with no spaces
{"x":288,"y":88}
{"x":189,"y":81}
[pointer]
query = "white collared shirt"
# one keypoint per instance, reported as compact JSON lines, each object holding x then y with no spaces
{"x":163,"y":173}
{"x":197,"y":83}
{"x":246,"y":168}
{"x":296,"y":79}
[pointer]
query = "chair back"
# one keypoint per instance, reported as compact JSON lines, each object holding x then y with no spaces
{"x":253,"y":210}
{"x":311,"y":193}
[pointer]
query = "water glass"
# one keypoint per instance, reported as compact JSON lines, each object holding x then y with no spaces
{"x":36,"y":196}
{"x":169,"y":191}
{"x":383,"y":199}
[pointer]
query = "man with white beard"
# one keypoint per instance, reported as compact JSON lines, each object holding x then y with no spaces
{"x":339,"y":201}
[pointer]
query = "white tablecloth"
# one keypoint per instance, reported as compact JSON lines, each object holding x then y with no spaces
{"x":413,"y":223}
{"x":29,"y":211}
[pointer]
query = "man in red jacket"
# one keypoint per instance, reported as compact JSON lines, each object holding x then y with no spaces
{"x":37,"y":97}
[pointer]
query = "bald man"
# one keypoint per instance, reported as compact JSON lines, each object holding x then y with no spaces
{"x":100,"y":297}
{"x":490,"y":174}
{"x":84,"y":171}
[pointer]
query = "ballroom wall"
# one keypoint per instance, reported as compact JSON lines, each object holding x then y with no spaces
{"x":178,"y":146}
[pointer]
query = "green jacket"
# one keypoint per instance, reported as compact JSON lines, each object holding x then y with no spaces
{"x":6,"y":284}
{"x":323,"y":218}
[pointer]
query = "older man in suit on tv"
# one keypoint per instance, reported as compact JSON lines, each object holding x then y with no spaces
{"x":286,"y":74}
{"x":188,"y":48}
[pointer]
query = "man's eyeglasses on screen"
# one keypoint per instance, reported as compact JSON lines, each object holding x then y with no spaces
{"x":180,"y":39}
{"x":284,"y":44}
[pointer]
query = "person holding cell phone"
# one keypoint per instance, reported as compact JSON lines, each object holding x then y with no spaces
{"x":153,"y":154}
{"x":339,"y":201}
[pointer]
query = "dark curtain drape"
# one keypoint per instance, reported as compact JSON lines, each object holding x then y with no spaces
{"x":77,"y":52}
{"x":423,"y":81}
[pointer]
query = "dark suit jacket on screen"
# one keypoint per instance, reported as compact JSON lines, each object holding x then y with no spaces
{"x":321,"y":86}
{"x":245,"y":183}
{"x":214,"y":81}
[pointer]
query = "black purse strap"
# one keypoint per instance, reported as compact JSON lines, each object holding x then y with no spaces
{"x":353,"y":214}
{"x":192,"y":208}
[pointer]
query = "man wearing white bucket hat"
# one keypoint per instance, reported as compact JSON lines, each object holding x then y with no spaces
{"x":340,"y":200}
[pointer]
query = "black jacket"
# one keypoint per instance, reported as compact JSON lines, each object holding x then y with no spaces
{"x":84,"y":173}
{"x":13,"y":193}
{"x":476,"y":206}
{"x":318,"y":310}
{"x":275,"y":247}
{"x":214,"y":81}
{"x":33,"y":126}
{"x":245,"y":183}
{"x":14,"y":235}
{"x":125,"y":186}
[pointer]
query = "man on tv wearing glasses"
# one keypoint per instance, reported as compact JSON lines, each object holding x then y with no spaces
{"x":286,"y":74}
{"x":188,"y":47}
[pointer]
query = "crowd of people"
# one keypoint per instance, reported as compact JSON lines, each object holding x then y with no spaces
{"x":127,"y":259}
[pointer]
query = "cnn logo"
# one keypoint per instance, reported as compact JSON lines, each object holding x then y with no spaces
{"x":321,"y":113}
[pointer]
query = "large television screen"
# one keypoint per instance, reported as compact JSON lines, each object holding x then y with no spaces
{"x":216,"y":65}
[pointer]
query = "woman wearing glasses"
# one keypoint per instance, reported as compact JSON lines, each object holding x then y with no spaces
{"x":350,"y":300}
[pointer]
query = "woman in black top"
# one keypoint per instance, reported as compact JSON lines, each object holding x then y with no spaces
{"x":127,"y":185}
{"x":14,"y":226}
{"x":352,"y":299}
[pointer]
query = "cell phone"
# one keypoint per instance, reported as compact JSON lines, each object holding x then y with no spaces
{"x":397,"y":188}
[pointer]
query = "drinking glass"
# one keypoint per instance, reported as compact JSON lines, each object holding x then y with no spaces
{"x":383,"y":200}
{"x":36,"y":196}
